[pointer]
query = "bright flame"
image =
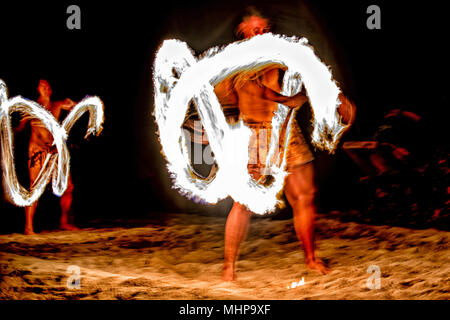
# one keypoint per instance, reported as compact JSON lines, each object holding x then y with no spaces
{"x":56,"y":165}
{"x":179,"y":78}
{"x":296,"y":284}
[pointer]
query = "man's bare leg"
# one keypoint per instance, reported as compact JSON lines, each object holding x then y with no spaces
{"x":29,"y":214}
{"x":66,"y":206}
{"x":236,"y":230}
{"x":300,"y":192}
{"x":30,"y":210}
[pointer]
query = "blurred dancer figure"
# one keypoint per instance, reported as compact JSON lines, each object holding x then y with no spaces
{"x":41,"y":141}
{"x":257,"y":93}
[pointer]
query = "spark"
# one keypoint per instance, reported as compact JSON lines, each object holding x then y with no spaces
{"x":296,"y":284}
{"x":56,"y":166}
{"x":179,"y":78}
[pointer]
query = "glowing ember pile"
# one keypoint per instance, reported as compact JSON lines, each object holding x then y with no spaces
{"x":56,"y":165}
{"x":180,"y":78}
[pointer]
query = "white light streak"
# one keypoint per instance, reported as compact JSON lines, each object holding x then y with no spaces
{"x":56,"y":165}
{"x":179,"y":78}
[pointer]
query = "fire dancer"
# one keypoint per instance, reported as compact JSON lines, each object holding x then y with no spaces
{"x":40,"y":145}
{"x":257,"y":94}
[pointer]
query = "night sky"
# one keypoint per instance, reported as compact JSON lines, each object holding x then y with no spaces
{"x":121,"y":173}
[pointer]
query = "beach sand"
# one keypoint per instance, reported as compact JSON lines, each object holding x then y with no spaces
{"x":179,"y":256}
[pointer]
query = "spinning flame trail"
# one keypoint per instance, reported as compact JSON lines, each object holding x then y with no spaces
{"x":56,"y":165}
{"x":179,"y":78}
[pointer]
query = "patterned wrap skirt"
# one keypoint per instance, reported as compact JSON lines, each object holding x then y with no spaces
{"x":298,"y":152}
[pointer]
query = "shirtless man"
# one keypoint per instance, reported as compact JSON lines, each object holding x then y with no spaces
{"x":257,"y":100}
{"x":41,"y":141}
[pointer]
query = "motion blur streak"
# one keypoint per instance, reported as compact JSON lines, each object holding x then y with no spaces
{"x":180,"y":78}
{"x":56,"y":164}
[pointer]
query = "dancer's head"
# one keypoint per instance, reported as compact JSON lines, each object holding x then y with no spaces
{"x":44,"y":88}
{"x":252,"y":24}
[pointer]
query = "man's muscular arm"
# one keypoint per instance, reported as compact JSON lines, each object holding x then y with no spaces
{"x":225,"y":93}
{"x":347,"y":110}
{"x":21,"y":125}
{"x":295,"y":101}
{"x":66,"y":104}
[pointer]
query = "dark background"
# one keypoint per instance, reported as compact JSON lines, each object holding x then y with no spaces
{"x":121,"y":173}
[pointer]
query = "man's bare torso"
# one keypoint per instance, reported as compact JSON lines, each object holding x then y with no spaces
{"x":252,"y":104}
{"x":41,"y":138}
{"x":250,"y":97}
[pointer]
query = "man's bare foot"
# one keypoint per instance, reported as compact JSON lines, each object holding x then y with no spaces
{"x":228,"y":274}
{"x":29,"y":232}
{"x":318,"y":265}
{"x":68,"y":227}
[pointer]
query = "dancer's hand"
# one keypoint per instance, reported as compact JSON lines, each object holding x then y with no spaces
{"x":347,"y":110}
{"x":299,"y":99}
